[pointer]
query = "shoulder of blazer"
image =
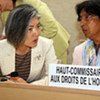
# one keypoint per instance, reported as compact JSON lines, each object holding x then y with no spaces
{"x":45,"y":41}
{"x":80,"y":46}
{"x":5,"y":46}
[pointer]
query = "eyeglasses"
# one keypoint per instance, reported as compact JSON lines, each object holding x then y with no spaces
{"x":87,"y":18}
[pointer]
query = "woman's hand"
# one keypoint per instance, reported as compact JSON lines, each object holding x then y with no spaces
{"x":18,"y":80}
{"x":13,"y":80}
{"x":8,"y":81}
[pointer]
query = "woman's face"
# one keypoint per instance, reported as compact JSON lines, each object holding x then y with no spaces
{"x":33,"y":33}
{"x":90,"y":25}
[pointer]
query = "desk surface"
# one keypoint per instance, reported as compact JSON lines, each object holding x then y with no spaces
{"x":30,"y":92}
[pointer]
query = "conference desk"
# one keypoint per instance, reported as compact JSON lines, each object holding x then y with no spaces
{"x":32,"y":92}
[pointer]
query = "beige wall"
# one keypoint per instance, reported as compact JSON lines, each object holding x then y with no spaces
{"x":64,"y":12}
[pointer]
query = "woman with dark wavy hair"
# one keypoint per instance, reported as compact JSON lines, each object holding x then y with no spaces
{"x":88,"y":53}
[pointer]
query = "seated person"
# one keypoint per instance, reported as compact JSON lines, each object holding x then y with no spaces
{"x":51,"y":28}
{"x":88,"y":53}
{"x":24,"y":50}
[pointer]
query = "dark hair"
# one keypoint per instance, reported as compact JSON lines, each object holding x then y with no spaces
{"x":17,"y":23}
{"x":92,"y":7}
